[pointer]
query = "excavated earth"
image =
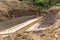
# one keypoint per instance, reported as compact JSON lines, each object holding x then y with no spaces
{"x":16,"y":12}
{"x":13,"y":9}
{"x":51,"y":21}
{"x":52,"y":31}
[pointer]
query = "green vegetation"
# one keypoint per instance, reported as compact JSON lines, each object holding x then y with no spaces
{"x":44,"y":3}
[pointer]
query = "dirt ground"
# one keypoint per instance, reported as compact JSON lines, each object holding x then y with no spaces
{"x":13,"y":9}
{"x":51,"y":33}
{"x":51,"y":21}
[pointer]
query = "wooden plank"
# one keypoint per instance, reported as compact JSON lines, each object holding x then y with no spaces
{"x":29,"y":25}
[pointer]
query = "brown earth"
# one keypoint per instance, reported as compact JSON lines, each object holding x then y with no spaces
{"x":12,"y":9}
{"x":51,"y":17}
{"x":51,"y":33}
{"x":51,"y":20}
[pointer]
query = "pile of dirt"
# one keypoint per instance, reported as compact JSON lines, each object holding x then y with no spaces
{"x":11,"y":9}
{"x":51,"y":17}
{"x":52,"y":32}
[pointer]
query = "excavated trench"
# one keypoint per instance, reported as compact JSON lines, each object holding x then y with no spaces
{"x":51,"y":20}
{"x":14,"y":21}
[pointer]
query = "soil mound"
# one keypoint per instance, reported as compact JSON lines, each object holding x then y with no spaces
{"x":11,"y":9}
{"x":51,"y":17}
{"x":51,"y":20}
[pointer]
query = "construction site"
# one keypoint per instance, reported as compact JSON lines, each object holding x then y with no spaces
{"x":23,"y":20}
